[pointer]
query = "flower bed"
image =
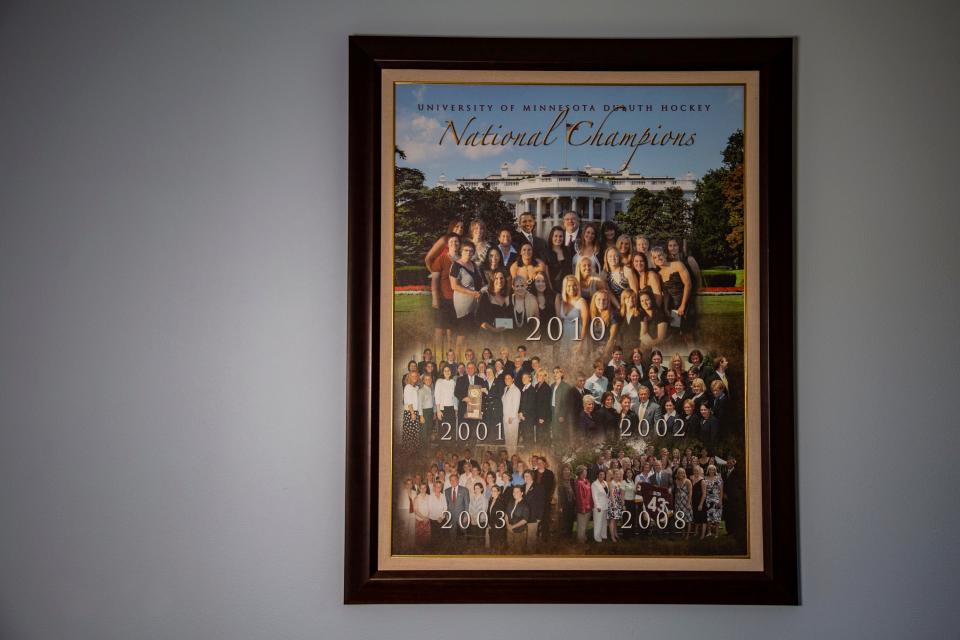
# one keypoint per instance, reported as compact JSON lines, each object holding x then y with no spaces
{"x":423,"y":288}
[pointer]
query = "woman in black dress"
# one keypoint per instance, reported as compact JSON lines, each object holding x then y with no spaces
{"x":496,"y":520}
{"x":698,"y":500}
{"x":678,"y":289}
{"x":691,"y":419}
{"x":653,"y":322}
{"x":495,"y":303}
{"x":607,"y":418}
{"x":559,"y":258}
{"x":546,"y":299}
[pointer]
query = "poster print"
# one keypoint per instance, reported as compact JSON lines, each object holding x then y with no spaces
{"x":569,"y":314}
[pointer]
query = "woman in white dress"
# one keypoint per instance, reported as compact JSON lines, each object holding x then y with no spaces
{"x":444,"y":398}
{"x":601,"y":500}
{"x":511,"y":409}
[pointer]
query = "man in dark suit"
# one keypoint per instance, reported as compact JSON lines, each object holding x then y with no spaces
{"x":734,"y":497}
{"x":525,"y":235}
{"x":427,"y":357}
{"x":458,"y":499}
{"x":575,"y":396}
{"x":721,"y":403}
{"x":571,"y":228}
{"x":461,"y":390}
{"x":560,"y":417}
{"x":593,"y":470}
{"x":616,"y":360}
{"x":548,"y":482}
{"x":528,"y":409}
{"x":466,"y":462}
{"x":508,"y":367}
{"x":520,"y":367}
{"x":544,"y":412}
{"x":534,"y":496}
{"x":661,"y":477}
{"x":450,"y":361}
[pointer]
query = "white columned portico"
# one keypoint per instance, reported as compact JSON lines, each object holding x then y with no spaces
{"x":539,"y":215}
{"x":573,"y":205}
{"x":553,"y":206}
{"x":590,"y":208}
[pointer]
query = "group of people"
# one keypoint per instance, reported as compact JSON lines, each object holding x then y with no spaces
{"x":584,"y":285}
{"x":666,"y":492}
{"x":518,"y":400}
{"x":462,"y":505}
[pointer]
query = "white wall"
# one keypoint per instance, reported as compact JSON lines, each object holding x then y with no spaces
{"x":172,"y":196}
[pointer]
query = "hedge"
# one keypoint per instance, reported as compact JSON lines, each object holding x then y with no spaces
{"x":412,"y":275}
{"x":722,"y":277}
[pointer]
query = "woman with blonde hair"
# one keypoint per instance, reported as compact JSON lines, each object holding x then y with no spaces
{"x":713,"y":501}
{"x":629,"y":313}
{"x":698,"y":501}
{"x":699,"y":388}
{"x":625,"y":247}
{"x":618,"y":274}
{"x":601,"y":306}
{"x":678,"y":288}
{"x":682,"y":487}
{"x":676,"y":365}
{"x":572,"y":310}
{"x":615,"y":505}
{"x":588,"y":280}
{"x":641,"y":244}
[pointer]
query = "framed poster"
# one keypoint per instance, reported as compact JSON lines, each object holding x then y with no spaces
{"x":571,"y":276}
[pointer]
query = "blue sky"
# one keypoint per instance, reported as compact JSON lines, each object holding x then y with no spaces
{"x":418,"y":131}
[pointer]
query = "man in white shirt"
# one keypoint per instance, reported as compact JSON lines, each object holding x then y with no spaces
{"x":437,"y":505}
{"x":597,"y":383}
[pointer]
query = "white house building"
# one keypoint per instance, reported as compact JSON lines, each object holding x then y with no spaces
{"x":596,"y":194}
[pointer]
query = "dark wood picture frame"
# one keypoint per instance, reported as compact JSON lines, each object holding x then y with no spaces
{"x":773,"y":58}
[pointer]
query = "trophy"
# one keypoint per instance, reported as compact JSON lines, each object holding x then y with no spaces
{"x":474,"y":402}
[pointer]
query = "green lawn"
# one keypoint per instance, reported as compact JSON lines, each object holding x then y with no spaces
{"x":709,"y":305}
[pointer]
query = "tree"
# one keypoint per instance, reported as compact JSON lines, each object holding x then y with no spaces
{"x":717,"y":225}
{"x":423,"y":214}
{"x":641,"y":215}
{"x":711,"y":223}
{"x":674,"y":218}
{"x":733,"y":203}
{"x":656,"y":214}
